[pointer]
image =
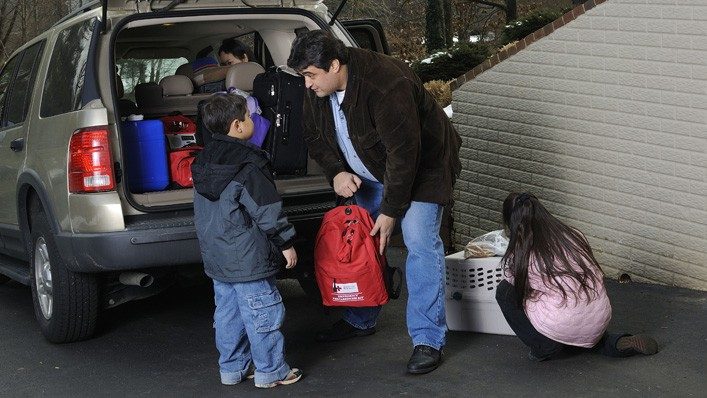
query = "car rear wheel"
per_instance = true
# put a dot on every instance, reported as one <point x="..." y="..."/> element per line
<point x="65" y="302"/>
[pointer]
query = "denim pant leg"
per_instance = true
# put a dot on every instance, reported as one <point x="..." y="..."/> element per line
<point x="231" y="339"/>
<point x="541" y="346"/>
<point x="261" y="306"/>
<point x="368" y="196"/>
<point x="424" y="270"/>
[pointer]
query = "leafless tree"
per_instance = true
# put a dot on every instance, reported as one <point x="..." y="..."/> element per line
<point x="21" y="20"/>
<point x="9" y="11"/>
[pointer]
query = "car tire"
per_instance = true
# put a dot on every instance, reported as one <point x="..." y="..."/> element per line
<point x="65" y="302"/>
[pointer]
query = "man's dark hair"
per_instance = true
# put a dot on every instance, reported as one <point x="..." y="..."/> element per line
<point x="221" y="110"/>
<point x="237" y="48"/>
<point x="318" y="48"/>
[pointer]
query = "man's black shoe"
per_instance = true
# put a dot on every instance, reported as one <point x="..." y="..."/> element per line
<point x="424" y="359"/>
<point x="342" y="330"/>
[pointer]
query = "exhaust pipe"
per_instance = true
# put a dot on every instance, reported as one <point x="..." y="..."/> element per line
<point x="136" y="279"/>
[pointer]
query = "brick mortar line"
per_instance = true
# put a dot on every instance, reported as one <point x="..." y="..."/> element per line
<point x="692" y="276"/>
<point x="564" y="80"/>
<point x="581" y="156"/>
<point x="580" y="107"/>
<point x="586" y="120"/>
<point x="606" y="228"/>
<point x="657" y="202"/>
<point x="670" y="270"/>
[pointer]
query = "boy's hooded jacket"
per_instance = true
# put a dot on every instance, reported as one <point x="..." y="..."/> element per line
<point x="238" y="213"/>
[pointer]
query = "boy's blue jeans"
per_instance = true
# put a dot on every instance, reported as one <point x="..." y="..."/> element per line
<point x="424" y="270"/>
<point x="247" y="320"/>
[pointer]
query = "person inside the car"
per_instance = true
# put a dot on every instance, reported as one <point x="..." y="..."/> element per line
<point x="233" y="51"/>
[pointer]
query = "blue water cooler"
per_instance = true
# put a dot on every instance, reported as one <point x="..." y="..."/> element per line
<point x="145" y="154"/>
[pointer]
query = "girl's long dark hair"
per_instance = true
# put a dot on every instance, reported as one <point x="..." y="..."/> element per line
<point x="557" y="250"/>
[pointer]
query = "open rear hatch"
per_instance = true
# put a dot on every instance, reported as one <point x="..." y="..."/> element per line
<point x="158" y="58"/>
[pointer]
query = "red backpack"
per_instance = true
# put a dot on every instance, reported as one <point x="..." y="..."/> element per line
<point x="180" y="161"/>
<point x="350" y="272"/>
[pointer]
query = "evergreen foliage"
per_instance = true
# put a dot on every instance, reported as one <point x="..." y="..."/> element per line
<point x="450" y="65"/>
<point x="518" y="29"/>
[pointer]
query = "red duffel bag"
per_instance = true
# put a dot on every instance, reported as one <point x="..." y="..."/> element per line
<point x="180" y="161"/>
<point x="347" y="265"/>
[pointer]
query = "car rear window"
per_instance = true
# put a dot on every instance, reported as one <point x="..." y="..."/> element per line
<point x="133" y="71"/>
<point x="67" y="69"/>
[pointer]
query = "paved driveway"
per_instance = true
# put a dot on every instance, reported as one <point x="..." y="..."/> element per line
<point x="163" y="346"/>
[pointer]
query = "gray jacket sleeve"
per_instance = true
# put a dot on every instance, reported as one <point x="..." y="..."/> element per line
<point x="264" y="205"/>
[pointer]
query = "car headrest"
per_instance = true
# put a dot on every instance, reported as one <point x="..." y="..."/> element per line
<point x="148" y="94"/>
<point x="185" y="70"/>
<point x="119" y="86"/>
<point x="176" y="85"/>
<point x="241" y="75"/>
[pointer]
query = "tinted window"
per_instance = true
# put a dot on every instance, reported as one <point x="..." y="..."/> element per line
<point x="20" y="93"/>
<point x="5" y="77"/>
<point x="135" y="71"/>
<point x="67" y="70"/>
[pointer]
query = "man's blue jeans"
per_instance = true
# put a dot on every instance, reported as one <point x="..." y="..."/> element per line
<point x="424" y="270"/>
<point x="247" y="320"/>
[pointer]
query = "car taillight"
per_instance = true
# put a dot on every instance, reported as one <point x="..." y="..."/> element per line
<point x="90" y="161"/>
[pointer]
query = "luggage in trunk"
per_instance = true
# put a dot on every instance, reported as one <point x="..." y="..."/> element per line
<point x="281" y="96"/>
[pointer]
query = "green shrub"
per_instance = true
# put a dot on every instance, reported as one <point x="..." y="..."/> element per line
<point x="521" y="27"/>
<point x="452" y="64"/>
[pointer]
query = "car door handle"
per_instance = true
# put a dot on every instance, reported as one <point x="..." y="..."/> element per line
<point x="17" y="144"/>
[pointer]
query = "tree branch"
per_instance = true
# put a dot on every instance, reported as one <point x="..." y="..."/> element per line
<point x="488" y="3"/>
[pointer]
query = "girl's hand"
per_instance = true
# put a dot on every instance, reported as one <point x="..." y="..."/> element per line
<point x="291" y="257"/>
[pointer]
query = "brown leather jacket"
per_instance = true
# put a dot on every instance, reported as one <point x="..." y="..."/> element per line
<point x="401" y="134"/>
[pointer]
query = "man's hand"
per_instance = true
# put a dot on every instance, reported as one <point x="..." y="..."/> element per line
<point x="384" y="225"/>
<point x="345" y="184"/>
<point x="291" y="257"/>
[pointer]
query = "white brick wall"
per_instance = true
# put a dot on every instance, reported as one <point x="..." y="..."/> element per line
<point x="605" y="119"/>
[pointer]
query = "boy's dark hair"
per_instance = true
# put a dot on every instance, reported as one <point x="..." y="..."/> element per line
<point x="556" y="249"/>
<point x="237" y="48"/>
<point x="318" y="48"/>
<point x="221" y="110"/>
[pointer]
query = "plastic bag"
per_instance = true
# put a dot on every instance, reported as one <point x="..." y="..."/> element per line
<point x="491" y="244"/>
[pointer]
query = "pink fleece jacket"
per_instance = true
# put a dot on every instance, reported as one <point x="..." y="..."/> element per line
<point x="573" y="322"/>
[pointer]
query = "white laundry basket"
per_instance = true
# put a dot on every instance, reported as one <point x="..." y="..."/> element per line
<point x="470" y="295"/>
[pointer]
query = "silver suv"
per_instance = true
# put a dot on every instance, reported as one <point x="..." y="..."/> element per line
<point x="70" y="225"/>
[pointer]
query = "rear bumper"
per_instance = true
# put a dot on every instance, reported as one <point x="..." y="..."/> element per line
<point x="150" y="248"/>
<point x="127" y="250"/>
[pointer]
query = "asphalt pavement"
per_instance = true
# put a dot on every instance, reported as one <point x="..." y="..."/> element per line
<point x="163" y="347"/>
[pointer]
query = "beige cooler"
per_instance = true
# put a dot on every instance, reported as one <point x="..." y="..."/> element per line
<point x="470" y="295"/>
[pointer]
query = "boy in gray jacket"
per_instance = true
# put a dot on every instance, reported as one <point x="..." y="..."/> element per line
<point x="242" y="229"/>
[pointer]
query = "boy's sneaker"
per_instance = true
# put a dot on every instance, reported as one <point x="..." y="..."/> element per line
<point x="291" y="378"/>
<point x="637" y="344"/>
<point x="250" y="374"/>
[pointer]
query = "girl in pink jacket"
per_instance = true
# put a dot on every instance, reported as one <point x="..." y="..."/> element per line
<point x="554" y="294"/>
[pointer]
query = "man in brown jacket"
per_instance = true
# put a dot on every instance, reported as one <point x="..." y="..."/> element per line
<point x="381" y="137"/>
